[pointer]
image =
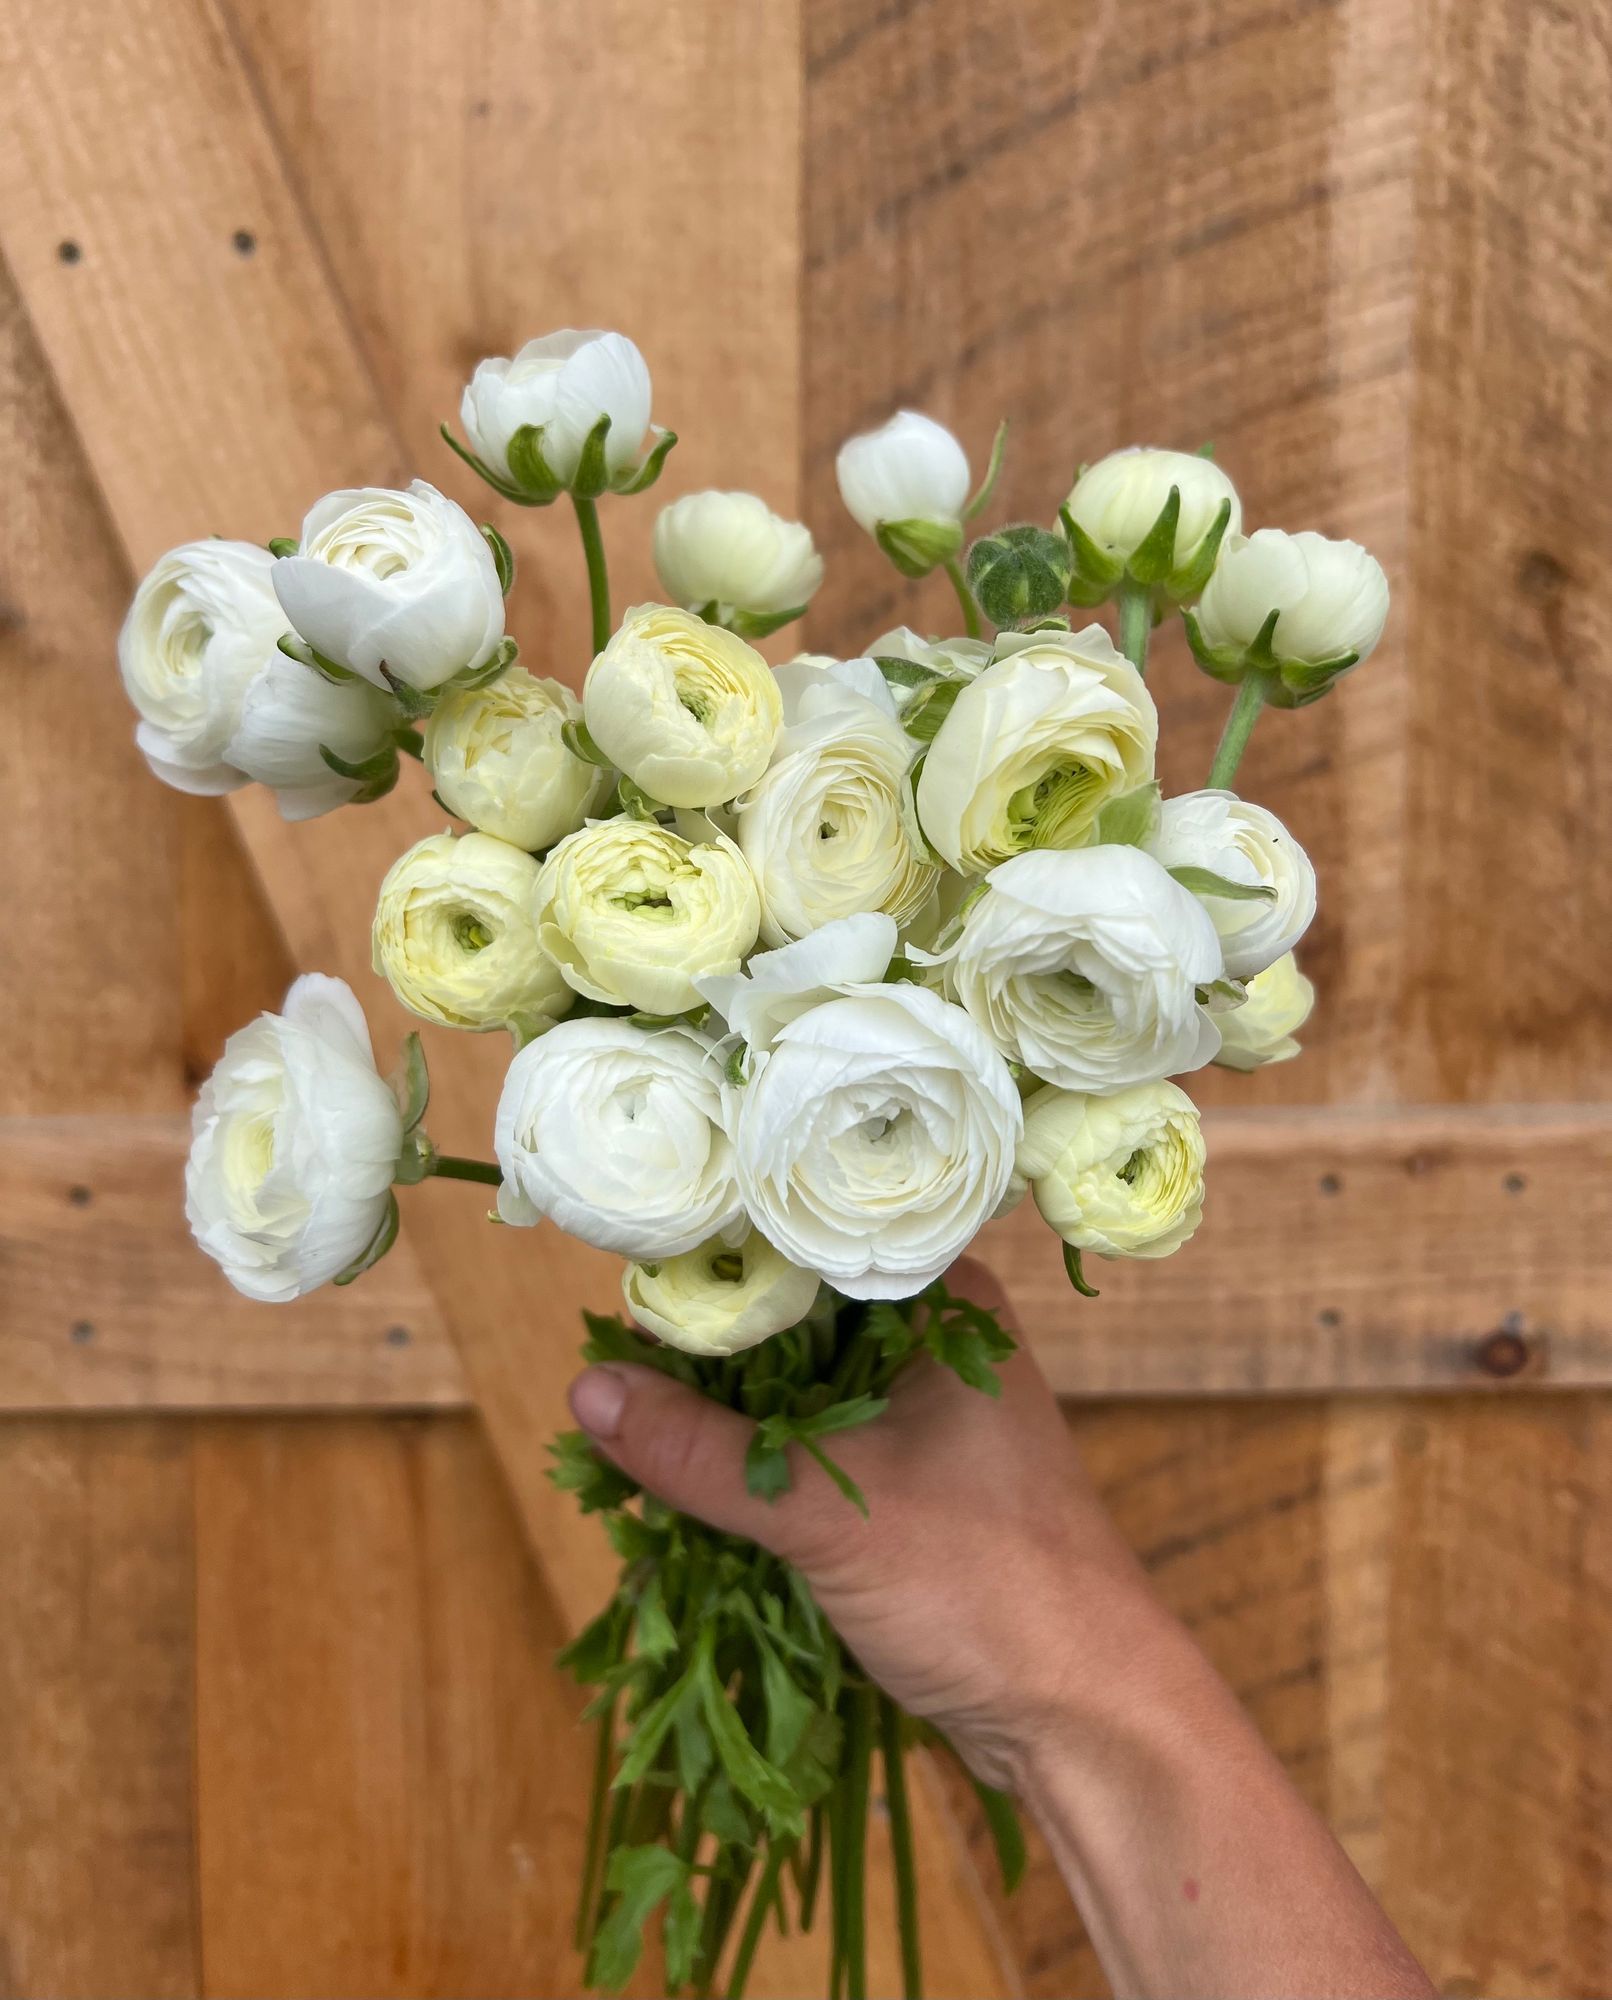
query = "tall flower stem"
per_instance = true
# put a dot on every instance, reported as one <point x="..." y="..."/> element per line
<point x="755" y="1922"/>
<point x="1134" y="605"/>
<point x="1245" y="712"/>
<point x="859" y="1757"/>
<point x="895" y="1791"/>
<point x="587" y="512"/>
<point x="593" y="1846"/>
<point x="450" y="1167"/>
<point x="965" y="597"/>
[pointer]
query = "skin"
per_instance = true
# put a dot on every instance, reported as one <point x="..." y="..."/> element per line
<point x="1197" y="1867"/>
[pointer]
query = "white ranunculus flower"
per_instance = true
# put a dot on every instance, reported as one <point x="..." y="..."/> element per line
<point x="498" y="758"/>
<point x="634" y="915"/>
<point x="620" y="1135"/>
<point x="687" y="710"/>
<point x="830" y="829"/>
<point x="562" y="383"/>
<point x="455" y="939"/>
<point x="1332" y="596"/>
<point x="403" y="582"/>
<point x="1084" y="967"/>
<point x="289" y="711"/>
<point x="294" y="1143"/>
<point x="203" y="623"/>
<point x="907" y="484"/>
<point x="1120" y="1175"/>
<point x="776" y="986"/>
<point x="731" y="551"/>
<point x="955" y="659"/>
<point x="1243" y="843"/>
<point x="1264" y="1029"/>
<point x="719" y="1298"/>
<point x="876" y="1138"/>
<point x="1118" y="499"/>
<point x="1034" y="748"/>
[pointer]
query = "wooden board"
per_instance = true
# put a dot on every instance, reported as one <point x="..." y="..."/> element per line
<point x="106" y="1303"/>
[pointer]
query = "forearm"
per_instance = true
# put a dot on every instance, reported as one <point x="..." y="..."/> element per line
<point x="1197" y="1867"/>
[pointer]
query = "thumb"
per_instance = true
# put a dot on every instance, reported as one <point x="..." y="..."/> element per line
<point x="689" y="1452"/>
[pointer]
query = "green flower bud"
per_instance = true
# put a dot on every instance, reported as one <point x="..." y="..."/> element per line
<point x="1019" y="574"/>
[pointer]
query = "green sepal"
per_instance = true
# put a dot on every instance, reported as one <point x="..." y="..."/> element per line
<point x="416" y="1162"/>
<point x="535" y="482"/>
<point x="305" y="656"/>
<point x="1132" y="819"/>
<point x="928" y="709"/>
<point x="1093" y="572"/>
<point x="760" y="624"/>
<point x="282" y="545"/>
<point x="1153" y="558"/>
<point x="1288" y="683"/>
<point x="592" y="476"/>
<point x="993" y="469"/>
<point x="503" y="556"/>
<point x="1195" y="572"/>
<point x="1077" y="1275"/>
<point x="635" y="801"/>
<point x="497" y="663"/>
<point x="737" y="1067"/>
<point x="650" y="469"/>
<point x="501" y="486"/>
<point x="577" y="739"/>
<point x="1205" y="882"/>
<point x="382" y="1241"/>
<point x="416" y="703"/>
<point x="916" y="547"/>
<point x="411" y="1081"/>
<point x="1221" y="995"/>
<point x="366" y="769"/>
<point x="906" y="673"/>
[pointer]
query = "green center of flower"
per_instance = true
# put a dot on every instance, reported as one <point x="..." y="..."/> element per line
<point x="1057" y="809"/>
<point x="470" y="933"/>
<point x="634" y="900"/>
<point x="728" y="1265"/>
<point x="1133" y="1166"/>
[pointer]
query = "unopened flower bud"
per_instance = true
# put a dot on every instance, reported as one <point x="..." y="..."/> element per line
<point x="907" y="484"/>
<point x="1019" y="574"/>
<point x="1148" y="517"/>
<point x="1300" y="608"/>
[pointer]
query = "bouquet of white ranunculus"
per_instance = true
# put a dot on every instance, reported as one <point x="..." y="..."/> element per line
<point x="810" y="971"/>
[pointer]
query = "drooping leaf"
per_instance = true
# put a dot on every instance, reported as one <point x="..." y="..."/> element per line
<point x="638" y="1879"/>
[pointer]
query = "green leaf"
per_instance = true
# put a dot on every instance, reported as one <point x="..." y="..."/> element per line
<point x="649" y="1732"/>
<point x="841" y="1478"/>
<point x="680" y="1933"/>
<point x="382" y="1241"/>
<point x="993" y="468"/>
<point x="929" y="708"/>
<point x="1076" y="1273"/>
<point x="692" y="1743"/>
<point x="1007" y="1835"/>
<point x="750" y="1774"/>
<point x="596" y="1648"/>
<point x="905" y="673"/>
<point x="650" y="470"/>
<point x="578" y="1468"/>
<point x="503" y="556"/>
<point x="1205" y="882"/>
<point x="722" y="1815"/>
<point x="789" y="1708"/>
<point x="654" y="1634"/>
<point x="766" y="1467"/>
<point x="843" y="1416"/>
<point x="638" y="1878"/>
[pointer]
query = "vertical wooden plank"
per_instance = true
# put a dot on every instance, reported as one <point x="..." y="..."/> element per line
<point x="96" y="1890"/>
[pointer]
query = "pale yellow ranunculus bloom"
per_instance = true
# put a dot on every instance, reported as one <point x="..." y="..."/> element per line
<point x="1264" y="1029"/>
<point x="498" y="759"/>
<point x="718" y="1299"/>
<point x="1122" y="1175"/>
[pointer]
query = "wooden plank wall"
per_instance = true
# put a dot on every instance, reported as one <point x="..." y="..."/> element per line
<point x="275" y="1708"/>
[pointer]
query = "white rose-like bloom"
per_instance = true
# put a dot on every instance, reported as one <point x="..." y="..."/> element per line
<point x="876" y="1138"/>
<point x="1332" y="596"/>
<point x="688" y="711"/>
<point x="203" y="623"/>
<point x="910" y="469"/>
<point x="1084" y="967"/>
<point x="403" y="581"/>
<point x="562" y="383"/>
<point x="831" y="829"/>
<point x="633" y="915"/>
<point x="294" y="1143"/>
<point x="1120" y="1175"/>
<point x="1241" y="843"/>
<point x="289" y="710"/>
<point x="1264" y="1029"/>
<point x="1118" y="499"/>
<point x="454" y="936"/>
<point x="1034" y="748"/>
<point x="620" y="1135"/>
<point x="719" y="1299"/>
<point x="498" y="758"/>
<point x="732" y="551"/>
<point x="777" y="986"/>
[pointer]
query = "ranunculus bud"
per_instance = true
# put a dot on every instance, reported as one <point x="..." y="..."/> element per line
<point x="1248" y="871"/>
<point x="1121" y="1175"/>
<point x="719" y="1298"/>
<point x="534" y="423"/>
<point x="634" y="915"/>
<point x="292" y="715"/>
<point x="498" y="758"/>
<point x="907" y="484"/>
<point x="454" y="937"/>
<point x="688" y="711"/>
<point x="1150" y="517"/>
<point x="729" y="557"/>
<point x="1019" y="573"/>
<point x="1300" y="609"/>
<point x="1265" y="1027"/>
<point x="398" y="587"/>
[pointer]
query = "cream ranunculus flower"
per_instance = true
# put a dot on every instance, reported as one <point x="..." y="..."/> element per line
<point x="289" y="712"/>
<point x="688" y="711"/>
<point x="454" y="936"/>
<point x="719" y="1299"/>
<point x="1120" y="1175"/>
<point x="1085" y="968"/>
<point x="619" y="1134"/>
<point x="634" y="915"/>
<point x="561" y="384"/>
<point x="1225" y="836"/>
<point x="1331" y="597"/>
<point x="777" y="986"/>
<point x="294" y="1143"/>
<point x="1265" y="1027"/>
<point x="498" y="758"/>
<point x="390" y="583"/>
<point x="1118" y="500"/>
<point x="731" y="553"/>
<point x="907" y="484"/>
<point x="203" y="624"/>
<point x="876" y="1138"/>
<point x="830" y="829"/>
<point x="1035" y="747"/>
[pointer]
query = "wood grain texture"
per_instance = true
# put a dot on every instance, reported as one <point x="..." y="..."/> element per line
<point x="106" y="1303"/>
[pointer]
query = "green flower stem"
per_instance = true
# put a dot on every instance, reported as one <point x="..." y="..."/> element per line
<point x="450" y="1167"/>
<point x="593" y="1846"/>
<point x="756" y="1920"/>
<point x="1134" y="604"/>
<point x="587" y="512"/>
<point x="1245" y="712"/>
<point x="965" y="597"/>
<point x="412" y="744"/>
<point x="722" y="1901"/>
<point x="859" y="1760"/>
<point x="895" y="1790"/>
